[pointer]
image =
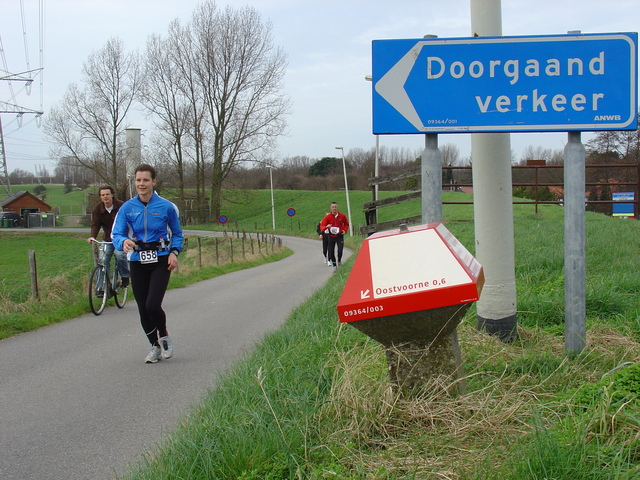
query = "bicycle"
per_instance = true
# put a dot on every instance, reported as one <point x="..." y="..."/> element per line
<point x="101" y="291"/>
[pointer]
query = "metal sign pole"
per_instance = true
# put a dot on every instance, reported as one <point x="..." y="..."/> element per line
<point x="574" y="244"/>
<point x="431" y="180"/>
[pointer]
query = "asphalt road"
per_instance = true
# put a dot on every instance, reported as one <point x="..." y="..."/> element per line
<point x="77" y="400"/>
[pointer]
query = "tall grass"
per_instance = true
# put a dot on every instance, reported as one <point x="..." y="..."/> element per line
<point x="313" y="401"/>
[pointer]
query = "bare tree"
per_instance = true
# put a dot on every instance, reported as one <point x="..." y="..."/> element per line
<point x="68" y="169"/>
<point x="292" y="172"/>
<point x="623" y="146"/>
<point x="89" y="122"/>
<point x="535" y="153"/>
<point x="550" y="156"/>
<point x="180" y="45"/>
<point x="630" y="146"/>
<point x="163" y="95"/>
<point x="613" y="147"/>
<point x="240" y="72"/>
<point x="450" y="158"/>
<point x="606" y="143"/>
<point x="450" y="154"/>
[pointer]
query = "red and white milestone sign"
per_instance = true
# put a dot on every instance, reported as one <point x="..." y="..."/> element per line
<point x="397" y="272"/>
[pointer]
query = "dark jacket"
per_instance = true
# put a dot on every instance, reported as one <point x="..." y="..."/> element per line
<point x="100" y="217"/>
<point x="320" y="232"/>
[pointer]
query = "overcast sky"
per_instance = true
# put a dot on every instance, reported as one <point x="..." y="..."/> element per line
<point x="328" y="45"/>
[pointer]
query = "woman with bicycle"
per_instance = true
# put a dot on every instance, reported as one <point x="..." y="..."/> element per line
<point x="102" y="217"/>
<point x="147" y="228"/>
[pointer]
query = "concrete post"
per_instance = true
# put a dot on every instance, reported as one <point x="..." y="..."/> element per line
<point x="574" y="244"/>
<point x="493" y="210"/>
<point x="133" y="156"/>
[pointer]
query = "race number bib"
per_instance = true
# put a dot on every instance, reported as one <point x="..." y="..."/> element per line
<point x="148" y="256"/>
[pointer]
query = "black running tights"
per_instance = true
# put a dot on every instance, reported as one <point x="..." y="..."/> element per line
<point x="333" y="242"/>
<point x="149" y="282"/>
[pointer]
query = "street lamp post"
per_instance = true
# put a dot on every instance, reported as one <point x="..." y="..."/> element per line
<point x="346" y="189"/>
<point x="273" y="211"/>
<point x="369" y="78"/>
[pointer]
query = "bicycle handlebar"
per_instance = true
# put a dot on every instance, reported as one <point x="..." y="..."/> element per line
<point x="100" y="243"/>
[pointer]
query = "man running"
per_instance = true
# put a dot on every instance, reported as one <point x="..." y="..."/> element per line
<point x="147" y="227"/>
<point x="338" y="224"/>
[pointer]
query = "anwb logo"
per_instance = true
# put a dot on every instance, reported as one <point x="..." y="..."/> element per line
<point x="607" y="117"/>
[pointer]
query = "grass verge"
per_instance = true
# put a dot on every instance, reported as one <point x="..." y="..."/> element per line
<point x="313" y="400"/>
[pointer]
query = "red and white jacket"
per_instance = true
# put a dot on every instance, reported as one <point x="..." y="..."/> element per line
<point x="338" y="220"/>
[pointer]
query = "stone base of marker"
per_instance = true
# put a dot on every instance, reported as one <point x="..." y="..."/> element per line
<point x="506" y="329"/>
<point x="412" y="365"/>
<point x="420" y="345"/>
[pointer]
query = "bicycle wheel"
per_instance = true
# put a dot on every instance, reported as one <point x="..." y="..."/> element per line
<point x="96" y="302"/>
<point x="119" y="293"/>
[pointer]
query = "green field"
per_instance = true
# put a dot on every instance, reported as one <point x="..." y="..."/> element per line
<point x="252" y="210"/>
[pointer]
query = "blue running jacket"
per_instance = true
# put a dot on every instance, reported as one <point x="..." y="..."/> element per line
<point x="157" y="221"/>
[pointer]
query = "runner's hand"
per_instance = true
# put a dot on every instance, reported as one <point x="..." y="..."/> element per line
<point x="173" y="262"/>
<point x="128" y="245"/>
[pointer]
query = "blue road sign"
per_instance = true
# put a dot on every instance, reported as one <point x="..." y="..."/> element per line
<point x="506" y="84"/>
<point x="623" y="209"/>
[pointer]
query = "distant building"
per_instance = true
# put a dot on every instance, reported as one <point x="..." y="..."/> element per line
<point x="24" y="203"/>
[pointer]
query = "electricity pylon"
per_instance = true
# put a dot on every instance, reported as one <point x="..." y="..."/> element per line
<point x="6" y="107"/>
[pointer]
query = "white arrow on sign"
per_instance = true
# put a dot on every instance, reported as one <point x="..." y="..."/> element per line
<point x="391" y="86"/>
<point x="364" y="294"/>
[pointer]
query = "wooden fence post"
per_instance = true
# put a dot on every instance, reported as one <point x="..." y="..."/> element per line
<point x="33" y="270"/>
<point x="199" y="252"/>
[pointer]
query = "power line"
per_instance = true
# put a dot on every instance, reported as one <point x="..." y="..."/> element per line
<point x="27" y="78"/>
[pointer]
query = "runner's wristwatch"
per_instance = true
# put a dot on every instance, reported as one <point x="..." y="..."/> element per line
<point x="175" y="251"/>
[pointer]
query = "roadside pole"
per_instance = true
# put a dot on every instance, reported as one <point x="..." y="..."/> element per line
<point x="133" y="157"/>
<point x="493" y="210"/>
<point x="431" y="180"/>
<point x="574" y="244"/>
<point x="432" y="212"/>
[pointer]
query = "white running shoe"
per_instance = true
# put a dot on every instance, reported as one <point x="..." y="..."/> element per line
<point x="166" y="347"/>
<point x="154" y="355"/>
<point x="329" y="264"/>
